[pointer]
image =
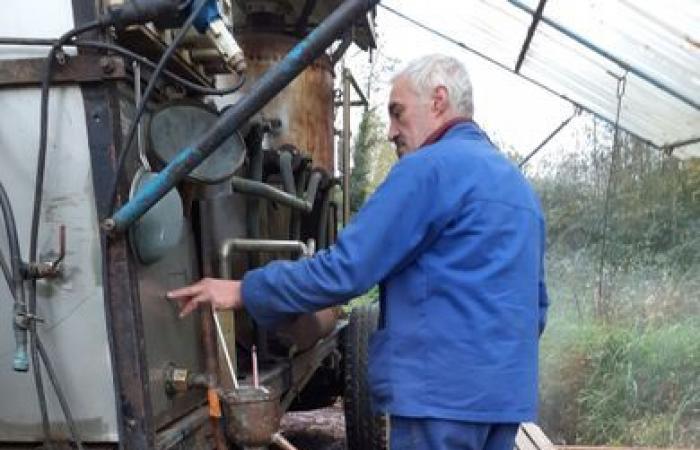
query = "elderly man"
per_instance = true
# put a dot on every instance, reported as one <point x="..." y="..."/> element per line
<point x="455" y="238"/>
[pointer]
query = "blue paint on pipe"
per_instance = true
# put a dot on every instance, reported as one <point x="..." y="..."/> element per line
<point x="183" y="163"/>
<point x="265" y="88"/>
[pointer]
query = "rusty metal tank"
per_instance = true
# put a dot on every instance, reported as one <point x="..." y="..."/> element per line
<point x="305" y="113"/>
<point x="305" y="107"/>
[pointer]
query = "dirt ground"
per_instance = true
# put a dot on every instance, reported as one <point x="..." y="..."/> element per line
<point x="320" y="429"/>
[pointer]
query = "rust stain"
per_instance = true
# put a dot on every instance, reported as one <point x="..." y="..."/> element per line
<point x="305" y="107"/>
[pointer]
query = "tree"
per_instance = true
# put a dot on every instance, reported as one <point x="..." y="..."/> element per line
<point x="370" y="137"/>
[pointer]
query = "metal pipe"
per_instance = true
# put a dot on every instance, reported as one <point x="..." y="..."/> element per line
<point x="269" y="85"/>
<point x="547" y="139"/>
<point x="255" y="173"/>
<point x="246" y="186"/>
<point x="312" y="188"/>
<point x="530" y="32"/>
<point x="281" y="442"/>
<point x="363" y="99"/>
<point x="20" y="361"/>
<point x="286" y="171"/>
<point x="683" y="143"/>
<point x="322" y="233"/>
<point x="609" y="56"/>
<point x="256" y="245"/>
<point x="346" y="146"/>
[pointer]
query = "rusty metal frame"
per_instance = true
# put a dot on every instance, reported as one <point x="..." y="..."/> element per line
<point x="122" y="308"/>
<point x="81" y="68"/>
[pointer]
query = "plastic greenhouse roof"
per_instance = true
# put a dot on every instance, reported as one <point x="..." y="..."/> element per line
<point x="588" y="51"/>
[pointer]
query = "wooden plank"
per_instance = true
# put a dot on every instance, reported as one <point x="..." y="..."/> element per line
<point x="522" y="440"/>
<point x="537" y="436"/>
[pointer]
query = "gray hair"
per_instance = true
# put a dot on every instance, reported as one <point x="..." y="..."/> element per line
<point x="430" y="71"/>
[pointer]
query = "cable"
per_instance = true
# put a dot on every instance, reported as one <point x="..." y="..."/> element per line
<point x="6" y="272"/>
<point x="194" y="87"/>
<point x="621" y="83"/>
<point x="36" y="213"/>
<point x="59" y="393"/>
<point x="142" y="106"/>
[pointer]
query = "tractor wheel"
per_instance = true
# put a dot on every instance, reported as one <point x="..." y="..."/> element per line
<point x="364" y="431"/>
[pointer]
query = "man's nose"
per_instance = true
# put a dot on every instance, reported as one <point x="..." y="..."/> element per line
<point x="393" y="133"/>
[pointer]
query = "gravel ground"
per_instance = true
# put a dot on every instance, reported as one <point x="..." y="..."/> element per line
<point x="320" y="429"/>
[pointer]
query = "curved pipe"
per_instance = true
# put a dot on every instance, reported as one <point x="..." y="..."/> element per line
<point x="256" y="245"/>
<point x="258" y="189"/>
<point x="287" y="172"/>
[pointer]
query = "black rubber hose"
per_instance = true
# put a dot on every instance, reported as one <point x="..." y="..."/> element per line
<point x="194" y="87"/>
<point x="15" y="262"/>
<point x="15" y="283"/>
<point x="144" y="100"/>
<point x="6" y="273"/>
<point x="36" y="213"/>
<point x="59" y="393"/>
<point x="285" y="162"/>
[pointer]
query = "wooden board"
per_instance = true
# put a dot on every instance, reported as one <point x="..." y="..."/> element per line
<point x="531" y="437"/>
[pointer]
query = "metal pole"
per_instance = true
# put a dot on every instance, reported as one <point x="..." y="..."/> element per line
<point x="547" y="139"/>
<point x="269" y="85"/>
<point x="609" y="56"/>
<point x="346" y="145"/>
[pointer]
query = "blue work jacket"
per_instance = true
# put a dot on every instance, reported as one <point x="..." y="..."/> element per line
<point x="455" y="238"/>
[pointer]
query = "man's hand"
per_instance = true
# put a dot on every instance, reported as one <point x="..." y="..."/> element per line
<point x="222" y="294"/>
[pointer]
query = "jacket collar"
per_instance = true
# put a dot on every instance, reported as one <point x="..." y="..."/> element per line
<point x="442" y="131"/>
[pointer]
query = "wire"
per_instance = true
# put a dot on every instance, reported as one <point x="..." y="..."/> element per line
<point x="142" y="106"/>
<point x="194" y="87"/>
<point x="36" y="213"/>
<point x="59" y="393"/>
<point x="621" y="82"/>
<point x="6" y="272"/>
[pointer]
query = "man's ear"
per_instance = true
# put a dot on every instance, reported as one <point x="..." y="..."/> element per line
<point x="441" y="101"/>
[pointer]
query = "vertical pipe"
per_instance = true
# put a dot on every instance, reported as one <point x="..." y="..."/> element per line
<point x="346" y="146"/>
<point x="269" y="85"/>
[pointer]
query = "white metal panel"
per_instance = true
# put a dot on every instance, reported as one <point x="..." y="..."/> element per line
<point x="74" y="331"/>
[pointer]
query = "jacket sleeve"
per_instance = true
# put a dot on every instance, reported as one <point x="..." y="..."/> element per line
<point x="400" y="218"/>
<point x="543" y="296"/>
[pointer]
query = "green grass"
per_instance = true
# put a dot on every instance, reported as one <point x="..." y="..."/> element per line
<point x="633" y="379"/>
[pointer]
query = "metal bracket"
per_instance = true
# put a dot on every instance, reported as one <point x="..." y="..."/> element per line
<point x="83" y="68"/>
<point x="48" y="269"/>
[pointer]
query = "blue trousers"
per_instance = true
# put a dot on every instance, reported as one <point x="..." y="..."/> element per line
<point x="408" y="433"/>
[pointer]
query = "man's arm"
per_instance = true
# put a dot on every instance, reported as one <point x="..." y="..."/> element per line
<point x="403" y="215"/>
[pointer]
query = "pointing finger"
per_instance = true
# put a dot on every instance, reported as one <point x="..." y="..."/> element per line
<point x="193" y="304"/>
<point x="185" y="292"/>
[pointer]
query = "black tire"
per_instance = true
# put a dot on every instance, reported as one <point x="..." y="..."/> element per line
<point x="364" y="431"/>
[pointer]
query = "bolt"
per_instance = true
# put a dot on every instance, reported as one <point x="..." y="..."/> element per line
<point x="60" y="57"/>
<point x="106" y="64"/>
<point x="109" y="225"/>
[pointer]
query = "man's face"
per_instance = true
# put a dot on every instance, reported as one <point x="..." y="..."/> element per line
<point x="411" y="117"/>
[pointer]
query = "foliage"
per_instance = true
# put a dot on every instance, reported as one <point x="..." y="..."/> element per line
<point x="373" y="158"/>
<point x="620" y="358"/>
